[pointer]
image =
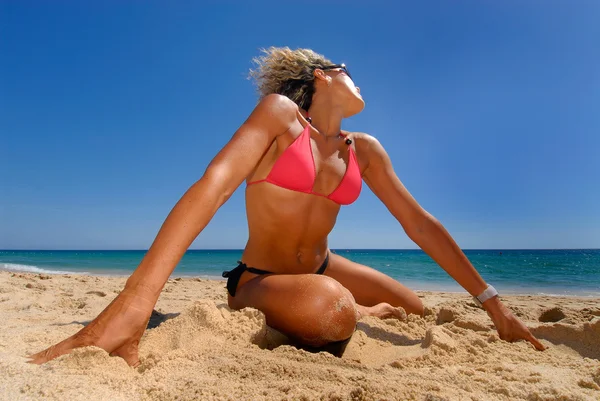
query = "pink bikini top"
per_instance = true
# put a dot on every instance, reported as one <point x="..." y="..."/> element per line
<point x="295" y="170"/>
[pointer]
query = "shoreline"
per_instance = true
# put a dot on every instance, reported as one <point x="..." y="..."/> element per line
<point x="197" y="344"/>
<point x="451" y="287"/>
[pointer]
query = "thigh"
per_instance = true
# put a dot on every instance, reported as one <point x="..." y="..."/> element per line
<point x="310" y="308"/>
<point x="370" y="287"/>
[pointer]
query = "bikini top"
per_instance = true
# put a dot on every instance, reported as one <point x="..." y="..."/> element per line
<point x="295" y="170"/>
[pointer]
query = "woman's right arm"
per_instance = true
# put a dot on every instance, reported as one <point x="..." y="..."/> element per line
<point x="271" y="118"/>
<point x="120" y="326"/>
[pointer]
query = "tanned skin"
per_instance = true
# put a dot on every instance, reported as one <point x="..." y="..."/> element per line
<point x="288" y="233"/>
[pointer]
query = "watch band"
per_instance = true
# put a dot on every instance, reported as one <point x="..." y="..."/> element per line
<point x="489" y="292"/>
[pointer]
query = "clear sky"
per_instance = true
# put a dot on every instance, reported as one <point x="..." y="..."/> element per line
<point x="490" y="112"/>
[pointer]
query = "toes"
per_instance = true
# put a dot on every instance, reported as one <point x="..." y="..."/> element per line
<point x="383" y="311"/>
<point x="400" y="313"/>
<point x="391" y="312"/>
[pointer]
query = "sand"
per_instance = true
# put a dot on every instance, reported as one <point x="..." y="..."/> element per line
<point x="198" y="348"/>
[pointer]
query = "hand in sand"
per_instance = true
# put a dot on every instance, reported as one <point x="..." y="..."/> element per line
<point x="509" y="327"/>
<point x="117" y="330"/>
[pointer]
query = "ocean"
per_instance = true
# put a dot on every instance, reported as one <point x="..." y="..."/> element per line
<point x="551" y="272"/>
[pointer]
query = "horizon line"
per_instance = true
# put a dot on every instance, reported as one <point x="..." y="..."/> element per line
<point x="343" y="249"/>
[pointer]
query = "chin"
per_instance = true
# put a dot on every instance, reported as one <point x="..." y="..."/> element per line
<point x="355" y="107"/>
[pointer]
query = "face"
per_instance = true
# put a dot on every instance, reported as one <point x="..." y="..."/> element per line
<point x="343" y="86"/>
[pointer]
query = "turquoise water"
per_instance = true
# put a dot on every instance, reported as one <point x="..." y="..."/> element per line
<point x="557" y="272"/>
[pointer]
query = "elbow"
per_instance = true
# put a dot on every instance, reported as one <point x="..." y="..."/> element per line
<point x="220" y="191"/>
<point x="421" y="227"/>
<point x="224" y="195"/>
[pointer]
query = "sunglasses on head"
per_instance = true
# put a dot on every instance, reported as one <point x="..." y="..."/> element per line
<point x="340" y="66"/>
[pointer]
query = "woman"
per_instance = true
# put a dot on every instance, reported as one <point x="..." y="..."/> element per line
<point x="299" y="168"/>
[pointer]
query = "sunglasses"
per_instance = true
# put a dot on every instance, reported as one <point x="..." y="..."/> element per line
<point x="340" y="66"/>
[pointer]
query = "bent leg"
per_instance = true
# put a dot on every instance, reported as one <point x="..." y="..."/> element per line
<point x="371" y="287"/>
<point x="312" y="309"/>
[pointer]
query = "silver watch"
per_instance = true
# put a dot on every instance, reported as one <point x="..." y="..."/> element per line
<point x="489" y="292"/>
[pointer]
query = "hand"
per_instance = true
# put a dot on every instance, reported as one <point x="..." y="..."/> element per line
<point x="117" y="329"/>
<point x="509" y="327"/>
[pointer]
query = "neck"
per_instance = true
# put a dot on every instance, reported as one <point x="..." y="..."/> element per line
<point x="328" y="121"/>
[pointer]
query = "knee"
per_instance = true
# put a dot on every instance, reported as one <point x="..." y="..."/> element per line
<point x="333" y="311"/>
<point x="415" y="306"/>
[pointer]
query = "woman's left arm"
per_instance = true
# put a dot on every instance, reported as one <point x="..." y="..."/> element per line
<point x="429" y="234"/>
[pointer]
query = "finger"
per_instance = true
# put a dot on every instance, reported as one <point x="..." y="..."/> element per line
<point x="130" y="352"/>
<point x="536" y="343"/>
<point x="54" y="351"/>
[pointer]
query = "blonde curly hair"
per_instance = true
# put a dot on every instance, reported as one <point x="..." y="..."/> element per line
<point x="288" y="72"/>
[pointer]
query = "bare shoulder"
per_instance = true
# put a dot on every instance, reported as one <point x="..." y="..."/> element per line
<point x="274" y="110"/>
<point x="362" y="140"/>
<point x="278" y="102"/>
<point x="367" y="146"/>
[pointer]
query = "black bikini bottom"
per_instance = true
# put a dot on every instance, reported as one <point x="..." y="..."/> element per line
<point x="233" y="276"/>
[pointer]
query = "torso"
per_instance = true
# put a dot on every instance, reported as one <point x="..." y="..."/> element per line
<point x="288" y="229"/>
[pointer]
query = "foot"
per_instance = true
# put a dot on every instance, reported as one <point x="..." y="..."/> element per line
<point x="382" y="311"/>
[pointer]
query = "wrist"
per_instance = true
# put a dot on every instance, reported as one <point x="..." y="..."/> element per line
<point x="142" y="290"/>
<point x="488" y="293"/>
<point x="492" y="304"/>
<point x="496" y="310"/>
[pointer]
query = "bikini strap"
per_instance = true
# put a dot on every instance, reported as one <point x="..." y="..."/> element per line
<point x="258" y="271"/>
<point x="233" y="276"/>
<point x="243" y="267"/>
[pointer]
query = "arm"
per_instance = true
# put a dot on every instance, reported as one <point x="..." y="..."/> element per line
<point x="427" y="232"/>
<point x="271" y="118"/>
<point x="121" y="324"/>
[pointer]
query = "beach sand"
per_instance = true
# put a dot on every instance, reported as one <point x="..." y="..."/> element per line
<point x="200" y="349"/>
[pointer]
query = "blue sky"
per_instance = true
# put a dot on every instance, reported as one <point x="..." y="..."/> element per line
<point x="490" y="112"/>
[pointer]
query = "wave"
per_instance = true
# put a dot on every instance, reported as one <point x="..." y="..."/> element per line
<point x="15" y="267"/>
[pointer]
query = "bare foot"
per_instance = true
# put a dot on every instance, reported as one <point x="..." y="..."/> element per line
<point x="382" y="311"/>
